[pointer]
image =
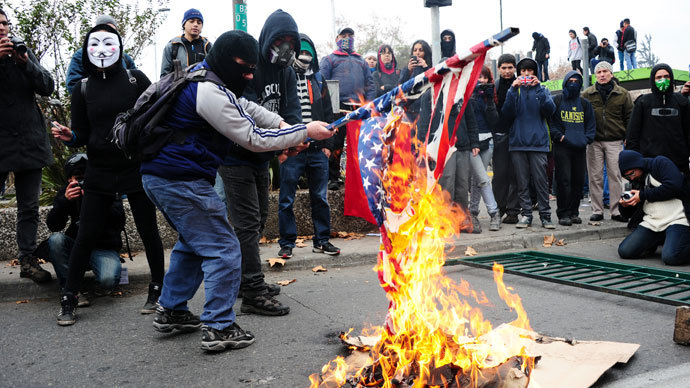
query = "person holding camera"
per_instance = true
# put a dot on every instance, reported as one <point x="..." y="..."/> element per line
<point x="24" y="145"/>
<point x="104" y="259"/>
<point x="109" y="90"/>
<point x="602" y="53"/>
<point x="662" y="199"/>
<point x="660" y="121"/>
<point x="529" y="105"/>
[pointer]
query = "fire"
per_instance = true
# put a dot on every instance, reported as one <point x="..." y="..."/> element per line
<point x="434" y="324"/>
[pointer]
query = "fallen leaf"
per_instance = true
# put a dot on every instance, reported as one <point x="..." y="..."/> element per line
<point x="274" y="260"/>
<point x="41" y="261"/>
<point x="349" y="235"/>
<point x="22" y="301"/>
<point x="116" y="293"/>
<point x="319" y="268"/>
<point x="560" y="243"/>
<point x="594" y="223"/>
<point x="549" y="241"/>
<point x="13" y="263"/>
<point x="299" y="244"/>
<point x="285" y="282"/>
<point x="470" y="251"/>
<point x="264" y="240"/>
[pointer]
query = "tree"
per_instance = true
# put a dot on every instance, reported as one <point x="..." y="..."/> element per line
<point x="54" y="30"/>
<point x="646" y="58"/>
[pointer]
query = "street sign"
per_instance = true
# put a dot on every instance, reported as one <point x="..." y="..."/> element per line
<point x="437" y="3"/>
<point x="240" y="14"/>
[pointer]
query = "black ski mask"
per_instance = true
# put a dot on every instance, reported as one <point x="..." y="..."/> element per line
<point x="447" y="48"/>
<point x="221" y="59"/>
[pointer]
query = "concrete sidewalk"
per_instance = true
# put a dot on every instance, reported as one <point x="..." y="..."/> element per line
<point x="353" y="252"/>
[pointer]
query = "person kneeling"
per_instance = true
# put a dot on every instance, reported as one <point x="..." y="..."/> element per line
<point x="104" y="260"/>
<point x="664" y="206"/>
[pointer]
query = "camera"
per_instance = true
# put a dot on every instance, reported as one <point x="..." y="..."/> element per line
<point x="19" y="47"/>
<point x="627" y="195"/>
<point x="525" y="80"/>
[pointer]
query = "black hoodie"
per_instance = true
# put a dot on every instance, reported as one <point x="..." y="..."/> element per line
<point x="541" y="47"/>
<point x="108" y="92"/>
<point x="660" y="124"/>
<point x="274" y="87"/>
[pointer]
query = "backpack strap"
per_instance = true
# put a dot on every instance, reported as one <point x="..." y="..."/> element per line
<point x="132" y="78"/>
<point x="82" y="86"/>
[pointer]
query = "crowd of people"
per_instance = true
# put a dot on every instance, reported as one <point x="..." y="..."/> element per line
<point x="262" y="100"/>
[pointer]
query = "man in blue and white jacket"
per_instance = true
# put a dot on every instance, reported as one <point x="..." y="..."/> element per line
<point x="179" y="180"/>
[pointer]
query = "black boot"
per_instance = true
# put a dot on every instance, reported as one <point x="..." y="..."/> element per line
<point x="32" y="270"/>
<point x="68" y="308"/>
<point x="154" y="294"/>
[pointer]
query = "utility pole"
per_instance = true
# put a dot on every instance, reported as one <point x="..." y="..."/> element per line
<point x="500" y="15"/>
<point x="435" y="36"/>
<point x="239" y="13"/>
<point x="335" y="28"/>
<point x="585" y="63"/>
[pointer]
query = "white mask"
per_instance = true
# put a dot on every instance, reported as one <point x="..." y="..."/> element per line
<point x="103" y="49"/>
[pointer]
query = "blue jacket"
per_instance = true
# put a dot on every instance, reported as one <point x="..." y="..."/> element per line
<point x="573" y="118"/>
<point x="529" y="107"/>
<point x="353" y="75"/>
<point x="213" y="118"/>
<point x="75" y="71"/>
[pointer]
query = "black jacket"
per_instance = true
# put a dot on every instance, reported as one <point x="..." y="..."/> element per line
<point x="592" y="44"/>
<point x="64" y="210"/>
<point x="467" y="133"/>
<point x="660" y="124"/>
<point x="605" y="54"/>
<point x="541" y="47"/>
<point x="385" y="80"/>
<point x="502" y="87"/>
<point x="24" y="141"/>
<point x="273" y="87"/>
<point x="485" y="113"/>
<point x="108" y="93"/>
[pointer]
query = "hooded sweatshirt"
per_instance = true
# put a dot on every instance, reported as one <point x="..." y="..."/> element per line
<point x="108" y="92"/>
<point x="575" y="49"/>
<point x="383" y="77"/>
<point x="274" y="87"/>
<point x="529" y="107"/>
<point x="573" y="118"/>
<point x="660" y="123"/>
<point x="540" y="46"/>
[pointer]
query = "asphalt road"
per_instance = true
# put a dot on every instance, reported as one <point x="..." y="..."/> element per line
<point x="113" y="345"/>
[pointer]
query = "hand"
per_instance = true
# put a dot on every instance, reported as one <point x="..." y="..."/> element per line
<point x="686" y="89"/>
<point x="475" y="151"/>
<point x="534" y="81"/>
<point x="516" y="83"/>
<point x="61" y="132"/>
<point x="411" y="64"/>
<point x="292" y="151"/>
<point x="326" y="152"/>
<point x="421" y="62"/>
<point x="21" y="60"/>
<point x="632" y="201"/>
<point x="73" y="190"/>
<point x="546" y="56"/>
<point x="562" y="138"/>
<point x="317" y="130"/>
<point x="282" y="157"/>
<point x="6" y="47"/>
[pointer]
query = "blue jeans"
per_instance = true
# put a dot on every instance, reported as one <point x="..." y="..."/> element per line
<point x="315" y="162"/>
<point x="621" y="59"/>
<point x="207" y="248"/>
<point x="480" y="185"/>
<point x="219" y="188"/>
<point x="105" y="263"/>
<point x="543" y="66"/>
<point x="630" y="60"/>
<point x="676" y="241"/>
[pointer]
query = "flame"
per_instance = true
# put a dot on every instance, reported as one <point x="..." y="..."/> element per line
<point x="433" y="321"/>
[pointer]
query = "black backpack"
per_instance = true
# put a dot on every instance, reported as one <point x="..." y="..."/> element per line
<point x="137" y="131"/>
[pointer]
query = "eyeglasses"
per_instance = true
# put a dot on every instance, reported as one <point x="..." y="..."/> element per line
<point x="5" y="23"/>
<point x="629" y="175"/>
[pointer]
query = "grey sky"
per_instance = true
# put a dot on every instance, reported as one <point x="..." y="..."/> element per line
<point x="472" y="21"/>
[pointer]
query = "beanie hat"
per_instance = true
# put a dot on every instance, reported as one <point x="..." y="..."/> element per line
<point x="603" y="65"/>
<point x="105" y="19"/>
<point x="507" y="58"/>
<point x="527" y="63"/>
<point x="76" y="165"/>
<point x="306" y="46"/>
<point x="191" y="14"/>
<point x="629" y="159"/>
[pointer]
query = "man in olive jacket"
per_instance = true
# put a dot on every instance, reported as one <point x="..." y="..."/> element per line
<point x="612" y="109"/>
<point x="24" y="146"/>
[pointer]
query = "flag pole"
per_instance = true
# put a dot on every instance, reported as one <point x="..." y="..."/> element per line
<point x="413" y="88"/>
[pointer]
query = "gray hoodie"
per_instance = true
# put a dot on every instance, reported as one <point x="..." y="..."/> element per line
<point x="574" y="50"/>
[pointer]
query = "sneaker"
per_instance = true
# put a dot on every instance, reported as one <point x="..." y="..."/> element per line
<point x="285" y="252"/>
<point x="495" y="223"/>
<point x="326" y="248"/>
<point x="232" y="337"/>
<point x="263" y="305"/>
<point x="476" y="226"/>
<point x="596" y="217"/>
<point x="68" y="308"/>
<point x="619" y="218"/>
<point x="511" y="219"/>
<point x="565" y="221"/>
<point x="576" y="220"/>
<point x="547" y="224"/>
<point x="84" y="299"/>
<point x="154" y="294"/>
<point x="32" y="270"/>
<point x="524" y="222"/>
<point x="166" y="320"/>
<point x="333" y="186"/>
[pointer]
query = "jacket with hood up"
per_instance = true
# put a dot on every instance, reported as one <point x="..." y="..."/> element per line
<point x="573" y="118"/>
<point x="540" y="47"/>
<point x="274" y="87"/>
<point x="108" y="92"/>
<point x="660" y="124"/>
<point x="385" y="79"/>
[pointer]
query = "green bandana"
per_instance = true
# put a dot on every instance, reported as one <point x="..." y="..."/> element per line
<point x="663" y="84"/>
